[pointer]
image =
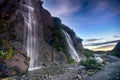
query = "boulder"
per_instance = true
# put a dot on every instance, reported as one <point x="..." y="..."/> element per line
<point x="17" y="65"/>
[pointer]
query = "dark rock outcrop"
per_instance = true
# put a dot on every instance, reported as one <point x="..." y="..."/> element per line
<point x="116" y="50"/>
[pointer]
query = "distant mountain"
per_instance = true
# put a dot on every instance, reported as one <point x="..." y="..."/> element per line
<point x="116" y="50"/>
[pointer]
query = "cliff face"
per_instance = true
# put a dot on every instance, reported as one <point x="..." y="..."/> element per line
<point x="52" y="44"/>
<point x="116" y="50"/>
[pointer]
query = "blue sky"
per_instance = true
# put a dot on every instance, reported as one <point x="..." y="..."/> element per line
<point x="97" y="20"/>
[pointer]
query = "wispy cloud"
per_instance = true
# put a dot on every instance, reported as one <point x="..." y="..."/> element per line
<point x="92" y="40"/>
<point x="65" y="7"/>
<point x="101" y="6"/>
<point x="116" y="36"/>
<point x="102" y="43"/>
<point x="106" y="46"/>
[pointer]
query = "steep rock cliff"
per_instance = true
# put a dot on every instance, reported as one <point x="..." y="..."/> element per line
<point x="51" y="40"/>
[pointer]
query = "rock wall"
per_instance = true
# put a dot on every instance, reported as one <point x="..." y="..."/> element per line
<point x="12" y="32"/>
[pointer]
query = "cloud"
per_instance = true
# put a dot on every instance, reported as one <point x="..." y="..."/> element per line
<point x="102" y="43"/>
<point x="92" y="40"/>
<point x="104" y="47"/>
<point x="116" y="36"/>
<point x="101" y="6"/>
<point x="65" y="7"/>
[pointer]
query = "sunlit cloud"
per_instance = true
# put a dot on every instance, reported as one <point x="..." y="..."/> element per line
<point x="105" y="47"/>
<point x="101" y="46"/>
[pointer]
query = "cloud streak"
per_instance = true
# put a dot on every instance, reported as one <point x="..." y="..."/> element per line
<point x="104" y="47"/>
<point x="92" y="40"/>
<point x="102" y="43"/>
<point x="116" y="36"/>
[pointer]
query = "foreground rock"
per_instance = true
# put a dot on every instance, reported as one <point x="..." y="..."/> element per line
<point x="17" y="65"/>
<point x="64" y="71"/>
<point x="55" y="72"/>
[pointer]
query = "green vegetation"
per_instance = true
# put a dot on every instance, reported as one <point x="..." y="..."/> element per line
<point x="3" y="22"/>
<point x="5" y="44"/>
<point x="10" y="53"/>
<point x="70" y="61"/>
<point x="58" y="42"/>
<point x="57" y="21"/>
<point x="7" y="51"/>
<point x="89" y="53"/>
<point x="90" y="72"/>
<point x="7" y="54"/>
<point x="116" y="54"/>
<point x="91" y="64"/>
<point x="2" y="54"/>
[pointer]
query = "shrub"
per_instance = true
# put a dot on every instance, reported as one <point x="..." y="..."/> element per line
<point x="91" y="64"/>
<point x="58" y="42"/>
<point x="10" y="53"/>
<point x="117" y="54"/>
<point x="7" y="54"/>
<point x="89" y="54"/>
<point x="2" y="54"/>
<point x="71" y="61"/>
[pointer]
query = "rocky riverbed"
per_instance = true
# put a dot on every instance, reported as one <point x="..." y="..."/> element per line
<point x="111" y="71"/>
<point x="64" y="71"/>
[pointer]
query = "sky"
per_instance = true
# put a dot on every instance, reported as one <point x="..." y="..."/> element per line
<point x="97" y="22"/>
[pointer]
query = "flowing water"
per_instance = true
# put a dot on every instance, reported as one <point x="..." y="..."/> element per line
<point x="31" y="34"/>
<point x="71" y="47"/>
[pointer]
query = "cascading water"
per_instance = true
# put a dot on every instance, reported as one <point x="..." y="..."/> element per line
<point x="31" y="34"/>
<point x="71" y="47"/>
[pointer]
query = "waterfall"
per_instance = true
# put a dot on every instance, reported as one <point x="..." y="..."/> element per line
<point x="71" y="47"/>
<point x="30" y="33"/>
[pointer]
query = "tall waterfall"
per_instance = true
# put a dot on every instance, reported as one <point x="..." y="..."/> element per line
<point x="30" y="33"/>
<point x="71" y="47"/>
